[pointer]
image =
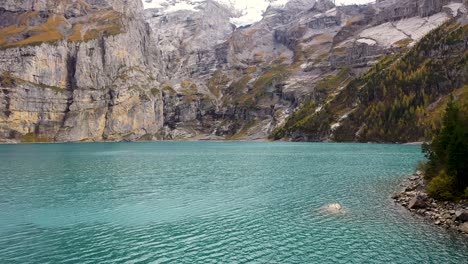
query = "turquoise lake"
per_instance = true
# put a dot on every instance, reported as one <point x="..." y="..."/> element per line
<point x="213" y="202"/>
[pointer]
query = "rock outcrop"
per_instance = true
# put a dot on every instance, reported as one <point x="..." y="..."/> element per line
<point x="96" y="70"/>
<point x="366" y="107"/>
<point x="391" y="10"/>
<point x="77" y="71"/>
<point x="227" y="83"/>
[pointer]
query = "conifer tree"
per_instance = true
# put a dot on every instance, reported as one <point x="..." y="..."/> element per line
<point x="448" y="154"/>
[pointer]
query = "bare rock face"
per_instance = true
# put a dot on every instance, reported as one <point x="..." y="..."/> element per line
<point x="85" y="77"/>
<point x="72" y="7"/>
<point x="391" y="10"/>
<point x="188" y="41"/>
<point x="229" y="81"/>
<point x="191" y="48"/>
<point x="243" y="82"/>
<point x="108" y="70"/>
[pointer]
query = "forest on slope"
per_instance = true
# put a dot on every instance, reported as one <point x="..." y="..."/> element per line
<point x="401" y="99"/>
<point x="447" y="154"/>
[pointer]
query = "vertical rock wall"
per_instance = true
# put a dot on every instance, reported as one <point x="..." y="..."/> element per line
<point x="99" y="89"/>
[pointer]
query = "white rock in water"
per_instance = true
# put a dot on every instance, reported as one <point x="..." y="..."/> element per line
<point x="333" y="208"/>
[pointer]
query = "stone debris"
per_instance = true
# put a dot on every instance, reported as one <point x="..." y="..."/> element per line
<point x="413" y="197"/>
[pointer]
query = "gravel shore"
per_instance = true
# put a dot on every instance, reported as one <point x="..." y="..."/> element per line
<point x="447" y="214"/>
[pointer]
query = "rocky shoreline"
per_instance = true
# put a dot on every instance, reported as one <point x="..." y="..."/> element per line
<point x="413" y="197"/>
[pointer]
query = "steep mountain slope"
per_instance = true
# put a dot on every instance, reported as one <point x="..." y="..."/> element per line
<point x="76" y="71"/>
<point x="399" y="100"/>
<point x="88" y="70"/>
<point x="247" y="85"/>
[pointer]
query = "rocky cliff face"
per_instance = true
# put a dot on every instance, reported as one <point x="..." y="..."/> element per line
<point x="391" y="10"/>
<point x="244" y="82"/>
<point x="72" y="7"/>
<point x="401" y="99"/>
<point x="77" y="71"/>
<point x="95" y="70"/>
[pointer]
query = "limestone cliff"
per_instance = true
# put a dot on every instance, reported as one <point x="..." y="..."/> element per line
<point x="91" y="70"/>
<point x="76" y="71"/>
<point x="243" y="83"/>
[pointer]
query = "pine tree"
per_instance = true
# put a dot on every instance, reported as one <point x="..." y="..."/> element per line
<point x="448" y="155"/>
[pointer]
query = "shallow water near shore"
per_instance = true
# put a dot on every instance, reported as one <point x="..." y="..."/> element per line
<point x="213" y="202"/>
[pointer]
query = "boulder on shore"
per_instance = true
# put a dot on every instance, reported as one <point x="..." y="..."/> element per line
<point x="463" y="228"/>
<point x="461" y="215"/>
<point x="417" y="202"/>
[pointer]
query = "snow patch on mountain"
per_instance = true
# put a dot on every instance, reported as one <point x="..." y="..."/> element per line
<point x="182" y="6"/>
<point x="252" y="10"/>
<point x="249" y="11"/>
<point x="170" y="6"/>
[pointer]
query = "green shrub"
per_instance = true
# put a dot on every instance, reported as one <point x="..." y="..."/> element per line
<point x="34" y="138"/>
<point x="442" y="187"/>
<point x="278" y="133"/>
<point x="465" y="195"/>
<point x="7" y="80"/>
<point x="422" y="167"/>
<point x="154" y="91"/>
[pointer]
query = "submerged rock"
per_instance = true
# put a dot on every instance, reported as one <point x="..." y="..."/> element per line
<point x="334" y="208"/>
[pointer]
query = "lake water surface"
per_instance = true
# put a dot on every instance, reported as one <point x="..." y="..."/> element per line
<point x="212" y="202"/>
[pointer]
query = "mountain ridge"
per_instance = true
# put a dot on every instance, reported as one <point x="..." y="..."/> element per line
<point x="186" y="74"/>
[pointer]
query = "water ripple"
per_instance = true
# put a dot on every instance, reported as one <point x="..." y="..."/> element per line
<point x="208" y="202"/>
